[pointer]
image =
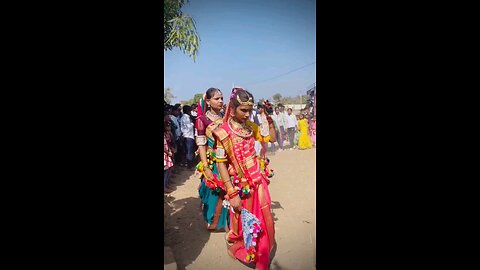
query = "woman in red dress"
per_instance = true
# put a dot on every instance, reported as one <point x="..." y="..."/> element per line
<point x="246" y="183"/>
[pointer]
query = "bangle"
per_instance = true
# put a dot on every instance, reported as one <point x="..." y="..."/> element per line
<point x="225" y="184"/>
<point x="233" y="194"/>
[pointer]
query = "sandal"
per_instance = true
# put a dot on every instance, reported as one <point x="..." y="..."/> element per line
<point x="227" y="241"/>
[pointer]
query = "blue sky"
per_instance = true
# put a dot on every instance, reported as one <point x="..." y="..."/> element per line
<point x="245" y="42"/>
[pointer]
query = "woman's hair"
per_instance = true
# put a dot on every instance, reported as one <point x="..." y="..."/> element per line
<point x="211" y="92"/>
<point x="243" y="95"/>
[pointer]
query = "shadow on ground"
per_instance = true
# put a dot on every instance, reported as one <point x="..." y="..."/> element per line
<point x="180" y="176"/>
<point x="181" y="225"/>
<point x="275" y="205"/>
<point x="182" y="231"/>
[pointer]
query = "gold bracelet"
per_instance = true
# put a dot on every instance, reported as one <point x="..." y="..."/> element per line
<point x="225" y="183"/>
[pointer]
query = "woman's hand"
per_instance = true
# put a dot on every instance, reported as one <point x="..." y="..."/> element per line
<point x="208" y="173"/>
<point x="236" y="203"/>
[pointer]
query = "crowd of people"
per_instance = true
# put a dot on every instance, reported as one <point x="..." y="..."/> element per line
<point x="291" y="132"/>
<point x="226" y="146"/>
<point x="294" y="131"/>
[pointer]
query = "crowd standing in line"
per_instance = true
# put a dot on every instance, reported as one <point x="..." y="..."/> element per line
<point x="181" y="133"/>
<point x="227" y="146"/>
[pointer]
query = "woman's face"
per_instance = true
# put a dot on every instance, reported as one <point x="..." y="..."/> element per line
<point x="216" y="102"/>
<point x="242" y="113"/>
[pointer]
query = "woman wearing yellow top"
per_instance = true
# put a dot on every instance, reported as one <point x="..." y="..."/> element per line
<point x="304" y="141"/>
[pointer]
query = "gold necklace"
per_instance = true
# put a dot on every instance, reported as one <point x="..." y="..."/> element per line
<point x="212" y="116"/>
<point x="240" y="130"/>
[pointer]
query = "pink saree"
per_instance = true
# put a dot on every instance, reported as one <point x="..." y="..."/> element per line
<point x="313" y="131"/>
<point x="245" y="165"/>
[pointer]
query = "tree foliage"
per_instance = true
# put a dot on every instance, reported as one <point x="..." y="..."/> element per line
<point x="197" y="97"/>
<point x="179" y="29"/>
<point x="193" y="100"/>
<point x="168" y="95"/>
<point x="291" y="100"/>
<point x="277" y="98"/>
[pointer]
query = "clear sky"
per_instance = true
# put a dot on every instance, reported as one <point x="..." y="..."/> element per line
<point x="246" y="43"/>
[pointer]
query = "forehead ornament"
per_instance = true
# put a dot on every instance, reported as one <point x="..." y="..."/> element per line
<point x="249" y="102"/>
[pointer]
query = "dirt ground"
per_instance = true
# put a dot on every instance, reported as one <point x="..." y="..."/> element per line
<point x="293" y="204"/>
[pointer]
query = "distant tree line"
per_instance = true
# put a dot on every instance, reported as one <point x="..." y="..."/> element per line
<point x="276" y="98"/>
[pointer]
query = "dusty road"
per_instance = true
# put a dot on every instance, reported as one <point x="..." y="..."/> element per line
<point x="293" y="203"/>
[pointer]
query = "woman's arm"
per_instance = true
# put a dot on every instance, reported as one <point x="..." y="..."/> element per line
<point x="202" y="149"/>
<point x="235" y="202"/>
<point x="201" y="141"/>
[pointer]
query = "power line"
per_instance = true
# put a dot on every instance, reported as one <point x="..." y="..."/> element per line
<point x="250" y="84"/>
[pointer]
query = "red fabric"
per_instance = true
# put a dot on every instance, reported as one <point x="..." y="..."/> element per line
<point x="269" y="119"/>
<point x="201" y="124"/>
<point x="167" y="160"/>
<point x="200" y="108"/>
<point x="227" y="111"/>
<point x="259" y="203"/>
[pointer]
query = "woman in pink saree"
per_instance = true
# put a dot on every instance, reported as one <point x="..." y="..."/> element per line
<point x="313" y="130"/>
<point x="245" y="180"/>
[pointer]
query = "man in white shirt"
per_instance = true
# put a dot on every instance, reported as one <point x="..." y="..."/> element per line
<point x="291" y="124"/>
<point x="194" y="110"/>
<point x="187" y="128"/>
<point x="283" y="115"/>
<point x="174" y="116"/>
<point x="175" y="119"/>
<point x="279" y="126"/>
